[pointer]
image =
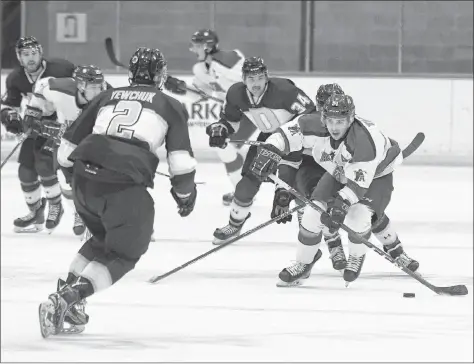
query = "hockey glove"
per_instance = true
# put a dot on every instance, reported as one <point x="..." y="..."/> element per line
<point x="266" y="161"/>
<point x="218" y="134"/>
<point x="337" y="211"/>
<point x="175" y="85"/>
<point x="12" y="121"/>
<point x="32" y="120"/>
<point x="281" y="204"/>
<point x="185" y="203"/>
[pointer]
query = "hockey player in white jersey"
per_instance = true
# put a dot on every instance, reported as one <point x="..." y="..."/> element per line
<point x="214" y="73"/>
<point x="57" y="102"/>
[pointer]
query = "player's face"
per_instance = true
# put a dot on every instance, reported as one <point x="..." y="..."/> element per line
<point x="256" y="83"/>
<point x="199" y="49"/>
<point x="91" y="90"/>
<point x="336" y="126"/>
<point x="30" y="58"/>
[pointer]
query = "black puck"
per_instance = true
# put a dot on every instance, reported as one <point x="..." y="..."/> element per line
<point x="409" y="295"/>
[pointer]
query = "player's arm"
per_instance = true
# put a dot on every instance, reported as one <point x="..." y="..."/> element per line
<point x="228" y="123"/>
<point x="78" y="131"/>
<point x="181" y="162"/>
<point x="10" y="107"/>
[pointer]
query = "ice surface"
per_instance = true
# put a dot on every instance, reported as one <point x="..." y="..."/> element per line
<point x="226" y="307"/>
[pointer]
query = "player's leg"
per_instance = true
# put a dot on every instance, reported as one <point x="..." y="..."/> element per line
<point x="66" y="190"/>
<point x="310" y="234"/>
<point x="31" y="187"/>
<point x="360" y="217"/>
<point x="46" y="168"/>
<point x="233" y="156"/>
<point x="386" y="234"/>
<point x="306" y="180"/>
<point x="245" y="192"/>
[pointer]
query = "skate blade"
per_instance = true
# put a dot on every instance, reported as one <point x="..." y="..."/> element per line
<point x="36" y="228"/>
<point x="296" y="283"/>
<point x="72" y="329"/>
<point x="45" y="311"/>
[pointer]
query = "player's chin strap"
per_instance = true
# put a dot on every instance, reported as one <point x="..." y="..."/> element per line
<point x="458" y="290"/>
<point x="227" y="243"/>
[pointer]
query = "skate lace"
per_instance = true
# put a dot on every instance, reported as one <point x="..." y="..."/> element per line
<point x="296" y="269"/>
<point x="337" y="253"/>
<point x="77" y="220"/>
<point x="54" y="212"/>
<point x="299" y="214"/>
<point x="229" y="229"/>
<point x="354" y="263"/>
<point x="28" y="216"/>
<point x="403" y="259"/>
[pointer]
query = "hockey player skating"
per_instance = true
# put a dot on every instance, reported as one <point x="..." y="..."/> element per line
<point x="270" y="103"/>
<point x="307" y="177"/>
<point x="355" y="190"/>
<point x="113" y="147"/>
<point x="36" y="170"/>
<point x="214" y="73"/>
<point x="57" y="102"/>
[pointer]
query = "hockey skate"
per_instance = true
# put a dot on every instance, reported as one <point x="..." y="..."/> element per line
<point x="228" y="232"/>
<point x="227" y="198"/>
<point x="337" y="255"/>
<point x="398" y="254"/>
<point x="353" y="268"/>
<point x="53" y="311"/>
<point x="293" y="275"/>
<point x="76" y="317"/>
<point x="55" y="214"/>
<point x="33" y="222"/>
<point x="79" y="228"/>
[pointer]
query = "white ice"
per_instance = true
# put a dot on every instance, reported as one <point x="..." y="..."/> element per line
<point x="226" y="307"/>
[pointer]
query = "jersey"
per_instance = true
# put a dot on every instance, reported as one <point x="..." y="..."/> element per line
<point x="121" y="131"/>
<point x="364" y="154"/>
<point x="224" y="70"/>
<point x="281" y="102"/>
<point x="19" y="84"/>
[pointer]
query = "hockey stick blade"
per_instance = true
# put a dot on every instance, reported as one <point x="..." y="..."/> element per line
<point x="414" y="145"/>
<point x="458" y="290"/>
<point x="109" y="47"/>
<point x="157" y="278"/>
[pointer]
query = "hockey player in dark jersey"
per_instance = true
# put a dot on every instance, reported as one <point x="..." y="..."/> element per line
<point x="36" y="170"/>
<point x="273" y="105"/>
<point x="214" y="73"/>
<point x="113" y="147"/>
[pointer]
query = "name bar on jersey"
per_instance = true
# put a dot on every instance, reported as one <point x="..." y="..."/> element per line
<point x="133" y="95"/>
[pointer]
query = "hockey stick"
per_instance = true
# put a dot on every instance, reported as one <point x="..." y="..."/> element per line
<point x="227" y="243"/>
<point x="20" y="142"/>
<point x="109" y="47"/>
<point x="167" y="175"/>
<point x="457" y="290"/>
<point x="410" y="148"/>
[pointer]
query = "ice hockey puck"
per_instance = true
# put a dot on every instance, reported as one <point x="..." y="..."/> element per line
<point x="409" y="295"/>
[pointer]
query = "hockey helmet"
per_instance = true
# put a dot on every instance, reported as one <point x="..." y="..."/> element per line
<point x="147" y="67"/>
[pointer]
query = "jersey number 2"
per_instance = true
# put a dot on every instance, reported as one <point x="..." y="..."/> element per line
<point x="124" y="116"/>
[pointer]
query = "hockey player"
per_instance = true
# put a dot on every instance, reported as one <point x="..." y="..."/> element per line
<point x="214" y="73"/>
<point x="307" y="177"/>
<point x="36" y="167"/>
<point x="58" y="102"/>
<point x="270" y="103"/>
<point x="113" y="147"/>
<point x="355" y="190"/>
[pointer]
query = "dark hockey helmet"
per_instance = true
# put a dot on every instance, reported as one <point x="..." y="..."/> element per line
<point x="28" y="43"/>
<point x="338" y="106"/>
<point x="147" y="67"/>
<point x="207" y="37"/>
<point x="325" y="91"/>
<point x="254" y="66"/>
<point x="89" y="74"/>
